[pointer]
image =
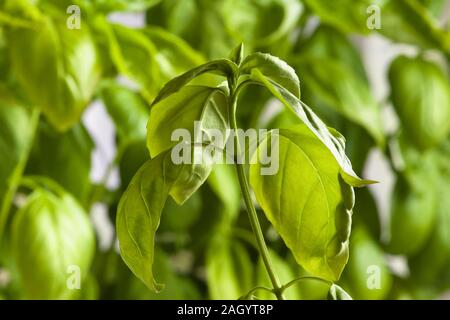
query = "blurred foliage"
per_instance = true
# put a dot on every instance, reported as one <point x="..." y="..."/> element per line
<point x="50" y="74"/>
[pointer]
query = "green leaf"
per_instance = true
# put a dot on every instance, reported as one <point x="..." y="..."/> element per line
<point x="425" y="111"/>
<point x="66" y="158"/>
<point x="337" y="293"/>
<point x="174" y="55"/>
<point x="409" y="21"/>
<point x="310" y="208"/>
<point x="229" y="269"/>
<point x="413" y="212"/>
<point x="139" y="210"/>
<point x="346" y="15"/>
<point x="134" y="56"/>
<point x="367" y="275"/>
<point x="46" y="245"/>
<point x="428" y="266"/>
<point x="206" y="105"/>
<point x="237" y="54"/>
<point x="274" y="69"/>
<point x="329" y="43"/>
<point x="138" y="217"/>
<point x="332" y="139"/>
<point x="128" y="110"/>
<point x="223" y="67"/>
<point x="58" y="69"/>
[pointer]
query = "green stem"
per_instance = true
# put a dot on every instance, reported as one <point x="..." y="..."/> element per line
<point x="290" y="283"/>
<point x="16" y="176"/>
<point x="245" y="190"/>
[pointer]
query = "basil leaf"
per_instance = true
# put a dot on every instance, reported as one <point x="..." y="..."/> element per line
<point x="134" y="56"/>
<point x="139" y="210"/>
<point x="223" y="67"/>
<point x="425" y="111"/>
<point x="414" y="24"/>
<point x="337" y="293"/>
<point x="312" y="217"/>
<point x="413" y="212"/>
<point x="66" y="158"/>
<point x="366" y="261"/>
<point x="62" y="73"/>
<point x="333" y="140"/>
<point x="329" y="43"/>
<point x="192" y="103"/>
<point x="346" y="15"/>
<point x="174" y="55"/>
<point x="46" y="223"/>
<point x="274" y="69"/>
<point x="428" y="266"/>
<point x="128" y="110"/>
<point x="138" y="217"/>
<point x="228" y="269"/>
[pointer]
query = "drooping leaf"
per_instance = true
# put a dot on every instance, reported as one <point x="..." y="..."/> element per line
<point x="421" y="96"/>
<point x="332" y="139"/>
<point x="139" y="210"/>
<point x="309" y="208"/>
<point x="138" y="217"/>
<point x="48" y="248"/>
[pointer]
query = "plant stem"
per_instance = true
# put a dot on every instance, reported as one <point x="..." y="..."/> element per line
<point x="245" y="190"/>
<point x="16" y="176"/>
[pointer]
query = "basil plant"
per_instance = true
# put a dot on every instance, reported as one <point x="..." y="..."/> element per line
<point x="308" y="200"/>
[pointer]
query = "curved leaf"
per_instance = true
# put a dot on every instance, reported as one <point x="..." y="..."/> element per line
<point x="274" y="69"/>
<point x="332" y="139"/>
<point x="310" y="208"/>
